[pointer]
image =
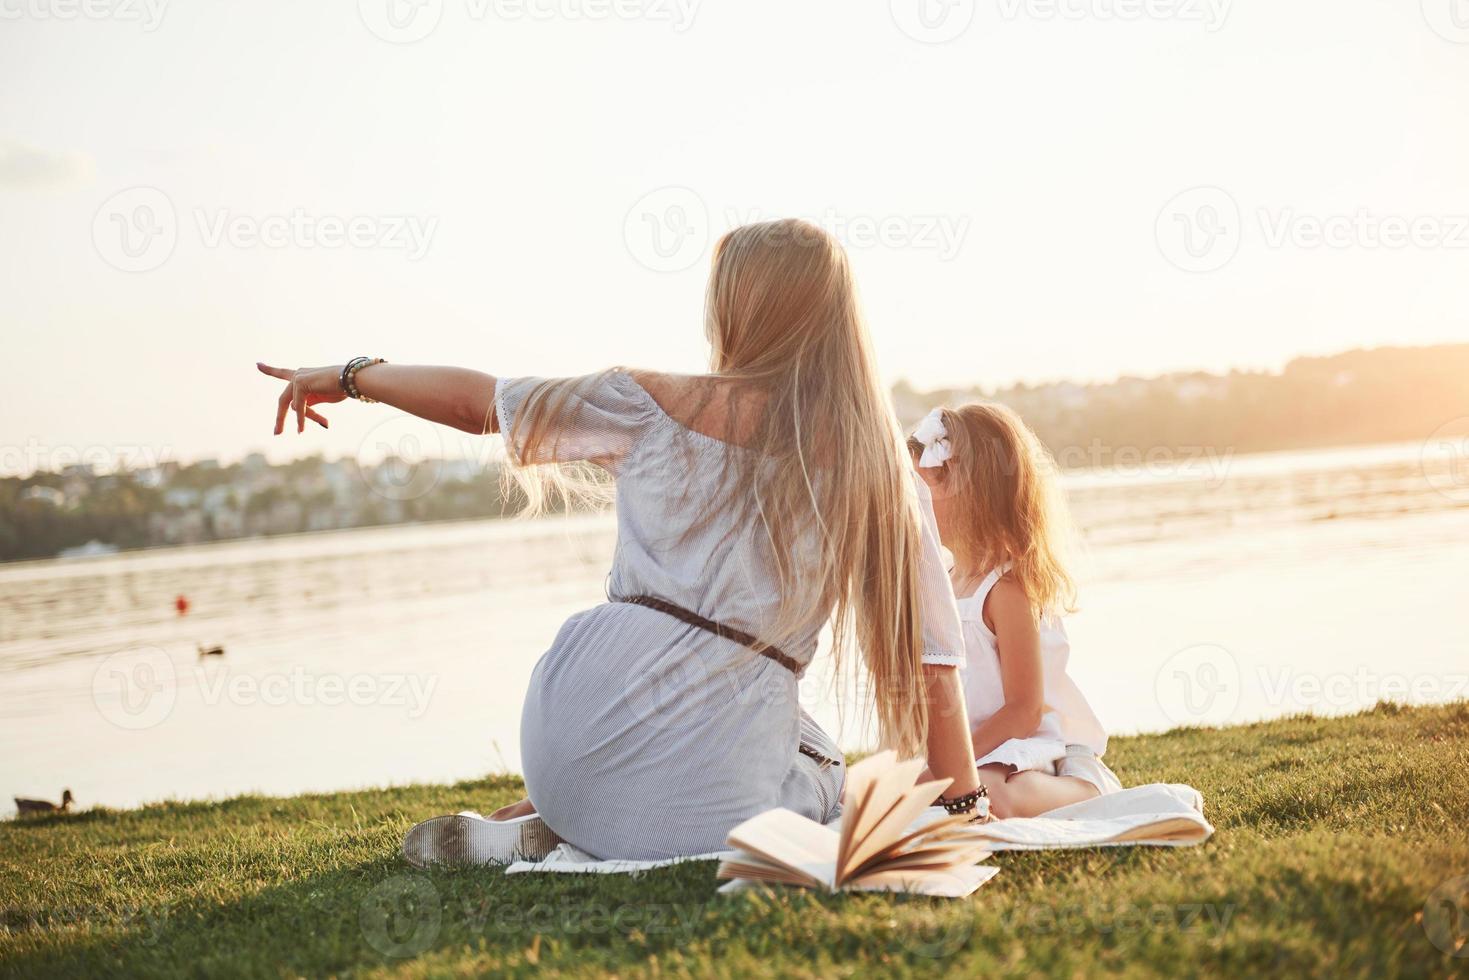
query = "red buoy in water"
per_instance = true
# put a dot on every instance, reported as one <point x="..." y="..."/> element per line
<point x="181" y="604"/>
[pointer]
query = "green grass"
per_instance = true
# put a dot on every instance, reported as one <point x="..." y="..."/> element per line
<point x="1332" y="835"/>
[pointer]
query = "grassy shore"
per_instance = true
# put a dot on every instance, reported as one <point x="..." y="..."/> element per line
<point x="1338" y="848"/>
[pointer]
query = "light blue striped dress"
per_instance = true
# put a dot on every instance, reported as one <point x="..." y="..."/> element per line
<point x="642" y="736"/>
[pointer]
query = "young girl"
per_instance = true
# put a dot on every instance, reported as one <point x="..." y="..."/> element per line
<point x="1037" y="741"/>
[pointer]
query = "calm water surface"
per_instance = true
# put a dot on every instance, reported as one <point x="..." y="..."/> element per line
<point x="1215" y="591"/>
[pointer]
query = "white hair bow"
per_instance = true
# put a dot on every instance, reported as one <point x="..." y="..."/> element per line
<point x="935" y="439"/>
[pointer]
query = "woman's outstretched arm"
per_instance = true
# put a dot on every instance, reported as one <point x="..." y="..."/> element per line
<point x="950" y="751"/>
<point x="452" y="396"/>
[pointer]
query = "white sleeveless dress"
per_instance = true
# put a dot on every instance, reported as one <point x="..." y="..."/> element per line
<point x="1068" y="718"/>
<point x="644" y="737"/>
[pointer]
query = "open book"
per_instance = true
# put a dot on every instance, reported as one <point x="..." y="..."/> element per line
<point x="882" y="844"/>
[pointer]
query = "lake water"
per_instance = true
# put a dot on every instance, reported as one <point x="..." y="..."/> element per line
<point x="1214" y="590"/>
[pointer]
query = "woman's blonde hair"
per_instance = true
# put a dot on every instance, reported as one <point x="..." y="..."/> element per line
<point x="824" y="461"/>
<point x="999" y="494"/>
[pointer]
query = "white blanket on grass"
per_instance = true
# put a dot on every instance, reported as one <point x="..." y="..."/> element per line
<point x="1157" y="815"/>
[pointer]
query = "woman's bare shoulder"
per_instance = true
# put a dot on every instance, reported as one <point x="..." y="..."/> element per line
<point x="668" y="390"/>
<point x="717" y="407"/>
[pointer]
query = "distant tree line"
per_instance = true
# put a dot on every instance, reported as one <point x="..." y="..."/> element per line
<point x="1358" y="397"/>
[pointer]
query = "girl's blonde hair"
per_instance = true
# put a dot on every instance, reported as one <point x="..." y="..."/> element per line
<point x="824" y="474"/>
<point x="999" y="492"/>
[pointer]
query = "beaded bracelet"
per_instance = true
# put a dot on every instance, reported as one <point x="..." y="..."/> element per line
<point x="345" y="368"/>
<point x="349" y="376"/>
<point x="965" y="803"/>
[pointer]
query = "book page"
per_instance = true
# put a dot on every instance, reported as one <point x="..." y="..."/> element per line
<point x="881" y="808"/>
<point x="950" y="854"/>
<point x="786" y="838"/>
<point x="750" y="867"/>
<point x="862" y="796"/>
<point x="929" y="834"/>
<point x="892" y="827"/>
<point x="856" y="798"/>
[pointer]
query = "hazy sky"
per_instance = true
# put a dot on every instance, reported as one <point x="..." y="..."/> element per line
<point x="530" y="186"/>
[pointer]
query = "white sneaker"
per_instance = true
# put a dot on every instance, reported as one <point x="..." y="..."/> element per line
<point x="469" y="839"/>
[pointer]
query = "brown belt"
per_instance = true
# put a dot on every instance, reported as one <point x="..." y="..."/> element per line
<point x="718" y="629"/>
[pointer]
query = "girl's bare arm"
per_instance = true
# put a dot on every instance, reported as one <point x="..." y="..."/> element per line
<point x="1009" y="614"/>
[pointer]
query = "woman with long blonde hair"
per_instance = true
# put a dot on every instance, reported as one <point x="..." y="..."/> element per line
<point x="756" y="504"/>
